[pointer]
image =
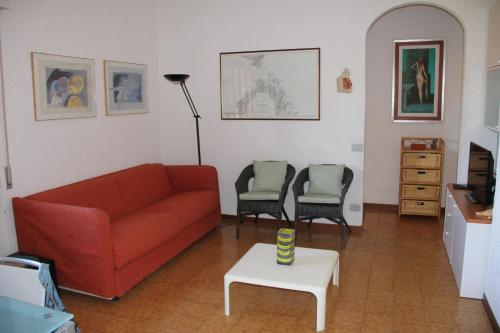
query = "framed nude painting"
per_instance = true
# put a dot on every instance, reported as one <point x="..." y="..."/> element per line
<point x="418" y="80"/>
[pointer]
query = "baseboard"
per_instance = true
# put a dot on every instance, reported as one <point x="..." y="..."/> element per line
<point x="88" y="294"/>
<point x="392" y="208"/>
<point x="490" y="315"/>
<point x="317" y="226"/>
<point x="387" y="207"/>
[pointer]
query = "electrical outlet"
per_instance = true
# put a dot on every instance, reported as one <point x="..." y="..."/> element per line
<point x="357" y="147"/>
<point x="355" y="207"/>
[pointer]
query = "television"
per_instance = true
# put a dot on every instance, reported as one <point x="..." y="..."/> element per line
<point x="481" y="180"/>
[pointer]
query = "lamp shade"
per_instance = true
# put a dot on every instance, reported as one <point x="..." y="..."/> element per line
<point x="176" y="77"/>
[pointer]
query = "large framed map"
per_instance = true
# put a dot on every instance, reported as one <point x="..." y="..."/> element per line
<point x="271" y="84"/>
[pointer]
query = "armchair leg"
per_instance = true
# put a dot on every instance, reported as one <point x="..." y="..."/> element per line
<point x="342" y="239"/>
<point x="256" y="218"/>
<point x="286" y="215"/>
<point x="296" y="226"/>
<point x="309" y="224"/>
<point x="347" y="225"/>
<point x="238" y="227"/>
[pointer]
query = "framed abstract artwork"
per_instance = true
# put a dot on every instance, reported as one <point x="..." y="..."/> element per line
<point x="418" y="80"/>
<point x="125" y="87"/>
<point x="273" y="84"/>
<point x="63" y="87"/>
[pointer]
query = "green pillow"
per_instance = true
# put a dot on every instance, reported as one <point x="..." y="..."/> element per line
<point x="326" y="179"/>
<point x="269" y="175"/>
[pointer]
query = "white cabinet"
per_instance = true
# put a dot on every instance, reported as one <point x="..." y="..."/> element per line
<point x="467" y="246"/>
<point x="451" y="205"/>
<point x="457" y="252"/>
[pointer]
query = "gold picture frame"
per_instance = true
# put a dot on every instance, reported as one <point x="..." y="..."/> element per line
<point x="63" y="86"/>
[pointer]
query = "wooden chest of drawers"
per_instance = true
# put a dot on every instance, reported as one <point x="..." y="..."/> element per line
<point x="421" y="174"/>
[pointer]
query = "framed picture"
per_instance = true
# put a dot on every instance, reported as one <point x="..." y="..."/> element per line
<point x="274" y="84"/>
<point x="418" y="80"/>
<point x="492" y="107"/>
<point x="125" y="87"/>
<point x="63" y="87"/>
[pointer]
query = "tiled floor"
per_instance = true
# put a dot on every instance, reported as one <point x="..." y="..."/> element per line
<point x="395" y="277"/>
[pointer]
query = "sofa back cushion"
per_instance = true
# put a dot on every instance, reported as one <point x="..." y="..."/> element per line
<point x="101" y="192"/>
<point x="143" y="185"/>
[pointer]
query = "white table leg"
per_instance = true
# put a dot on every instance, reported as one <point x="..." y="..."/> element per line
<point x="336" y="273"/>
<point x="320" y="309"/>
<point x="227" y="282"/>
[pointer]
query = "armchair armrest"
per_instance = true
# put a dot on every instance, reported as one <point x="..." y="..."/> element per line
<point x="243" y="179"/>
<point x="346" y="181"/>
<point x="78" y="239"/>
<point x="193" y="177"/>
<point x="290" y="173"/>
<point x="298" y="185"/>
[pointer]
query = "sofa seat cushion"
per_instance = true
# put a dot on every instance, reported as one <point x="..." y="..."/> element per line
<point x="187" y="206"/>
<point x="136" y="234"/>
<point x="141" y="232"/>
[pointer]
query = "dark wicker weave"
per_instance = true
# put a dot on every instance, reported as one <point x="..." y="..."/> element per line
<point x="310" y="211"/>
<point x="256" y="207"/>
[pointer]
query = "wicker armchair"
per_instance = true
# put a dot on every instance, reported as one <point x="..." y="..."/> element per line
<point x="255" y="207"/>
<point x="310" y="211"/>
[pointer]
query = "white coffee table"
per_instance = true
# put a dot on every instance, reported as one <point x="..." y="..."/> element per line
<point x="311" y="272"/>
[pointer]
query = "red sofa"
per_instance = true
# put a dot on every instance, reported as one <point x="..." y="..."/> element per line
<point x="108" y="233"/>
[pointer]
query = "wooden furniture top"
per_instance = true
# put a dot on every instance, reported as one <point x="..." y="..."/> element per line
<point x="468" y="209"/>
<point x="407" y="141"/>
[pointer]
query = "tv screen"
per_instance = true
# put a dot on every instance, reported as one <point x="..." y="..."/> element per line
<point x="480" y="174"/>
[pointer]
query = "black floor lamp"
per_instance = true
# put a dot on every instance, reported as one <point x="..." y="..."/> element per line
<point x="181" y="79"/>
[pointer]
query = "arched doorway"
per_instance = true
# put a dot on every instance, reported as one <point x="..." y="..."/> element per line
<point x="382" y="135"/>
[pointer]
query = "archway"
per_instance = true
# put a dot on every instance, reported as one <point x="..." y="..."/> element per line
<point x="382" y="135"/>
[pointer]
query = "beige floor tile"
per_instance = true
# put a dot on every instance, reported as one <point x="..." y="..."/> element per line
<point x="395" y="277"/>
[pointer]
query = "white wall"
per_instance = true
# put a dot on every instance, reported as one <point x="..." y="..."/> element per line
<point x="204" y="29"/>
<point x="474" y="19"/>
<point x="209" y="28"/>
<point x="493" y="277"/>
<point x="187" y="36"/>
<point x="383" y="136"/>
<point x="46" y="154"/>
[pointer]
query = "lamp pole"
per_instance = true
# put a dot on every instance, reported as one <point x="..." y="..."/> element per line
<point x="181" y="79"/>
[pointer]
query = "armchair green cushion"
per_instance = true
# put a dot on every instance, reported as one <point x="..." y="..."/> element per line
<point x="254" y="195"/>
<point x="269" y="175"/>
<point x="326" y="179"/>
<point x="319" y="199"/>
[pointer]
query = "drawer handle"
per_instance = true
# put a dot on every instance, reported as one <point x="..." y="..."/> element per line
<point x="421" y="172"/>
<point x="422" y="156"/>
<point x="420" y="203"/>
<point x="420" y="188"/>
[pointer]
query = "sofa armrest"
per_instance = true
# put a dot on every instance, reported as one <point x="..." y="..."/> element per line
<point x="193" y="177"/>
<point x="78" y="239"/>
